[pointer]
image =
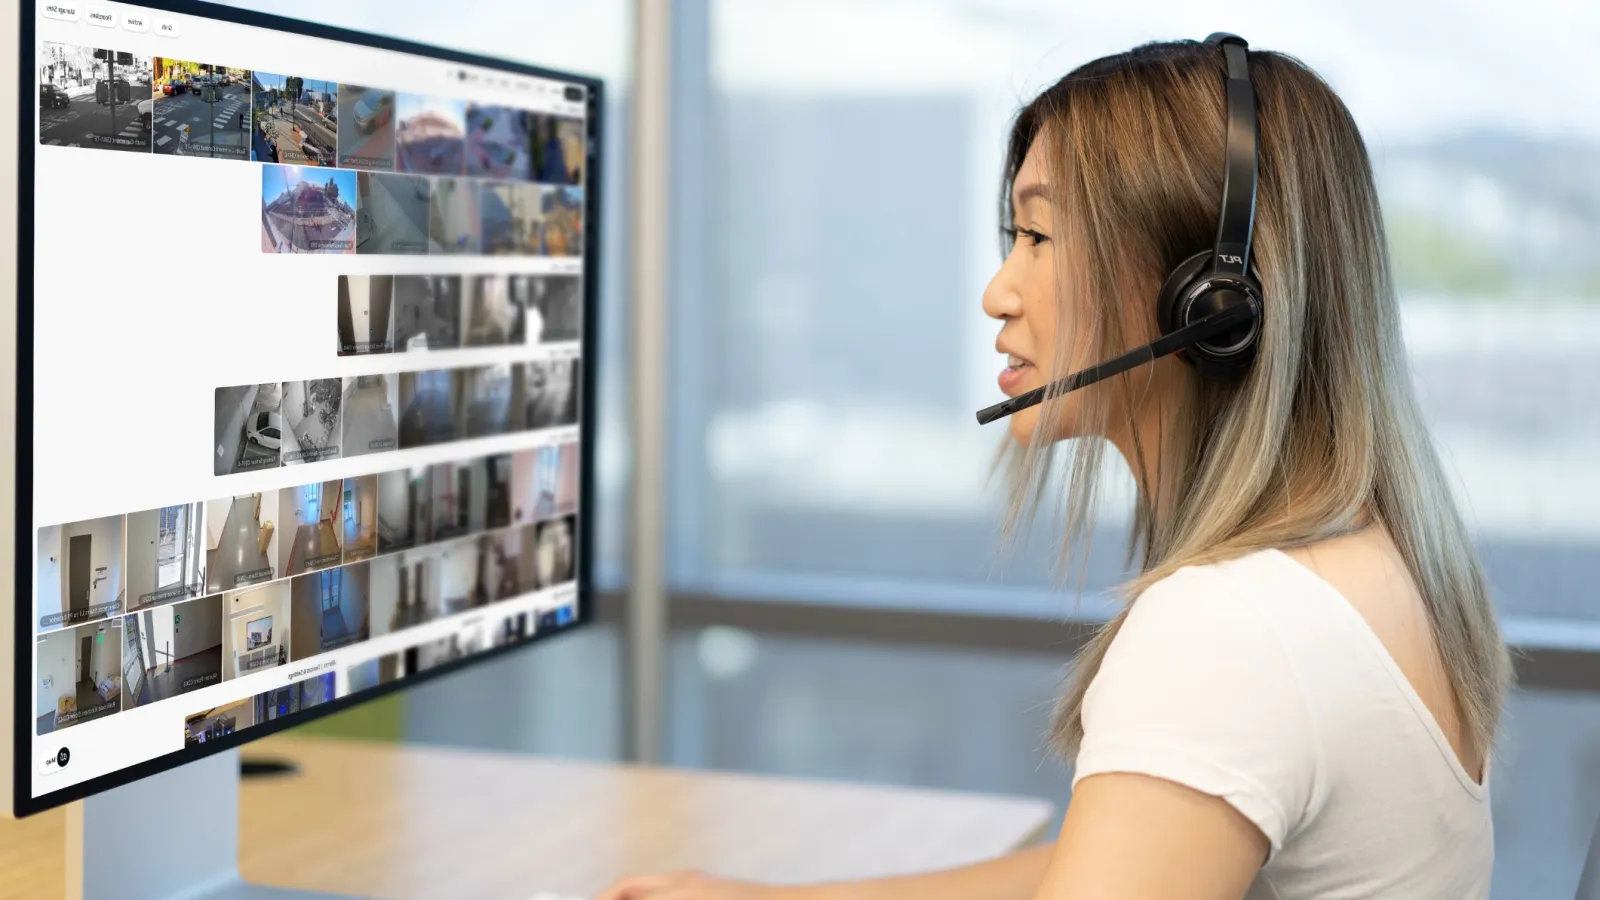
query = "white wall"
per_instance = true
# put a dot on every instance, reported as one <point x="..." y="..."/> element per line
<point x="527" y="562"/>
<point x="293" y="509"/>
<point x="546" y="478"/>
<point x="143" y="530"/>
<point x="355" y="595"/>
<point x="567" y="480"/>
<point x="511" y="541"/>
<point x="269" y="516"/>
<point x="360" y="287"/>
<point x="491" y="565"/>
<point x="199" y="626"/>
<point x="107" y="658"/>
<point x="393" y="491"/>
<point x="357" y="514"/>
<point x="216" y="516"/>
<point x="522" y="493"/>
<point x="50" y="590"/>
<point x="105" y="551"/>
<point x="58" y="660"/>
<point x="442" y="498"/>
<point x="497" y="303"/>
<point x="294" y="398"/>
<point x="458" y="570"/>
<point x="332" y="496"/>
<point x="161" y="636"/>
<point x="385" y="591"/>
<point x="427" y="587"/>
<point x="478" y="493"/>
<point x="305" y="595"/>
<point x="367" y="504"/>
<point x="195" y="532"/>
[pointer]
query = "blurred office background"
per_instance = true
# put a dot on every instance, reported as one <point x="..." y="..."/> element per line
<point x="838" y="606"/>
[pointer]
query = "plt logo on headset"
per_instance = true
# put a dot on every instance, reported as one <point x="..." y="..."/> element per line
<point x="1209" y="307"/>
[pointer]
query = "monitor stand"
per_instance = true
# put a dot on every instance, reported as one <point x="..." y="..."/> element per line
<point x="173" y="835"/>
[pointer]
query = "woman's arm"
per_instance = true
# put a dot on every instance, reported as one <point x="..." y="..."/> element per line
<point x="1136" y="837"/>
<point x="1127" y="836"/>
<point x="1013" y="877"/>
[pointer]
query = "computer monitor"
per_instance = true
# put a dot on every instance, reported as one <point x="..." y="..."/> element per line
<point x="303" y="385"/>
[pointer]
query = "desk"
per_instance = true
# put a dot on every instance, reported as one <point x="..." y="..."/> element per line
<point x="403" y="822"/>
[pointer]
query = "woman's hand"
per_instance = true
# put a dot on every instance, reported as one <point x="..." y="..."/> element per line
<point x="689" y="885"/>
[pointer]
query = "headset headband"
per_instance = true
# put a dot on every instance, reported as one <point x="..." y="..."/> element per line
<point x="1231" y="255"/>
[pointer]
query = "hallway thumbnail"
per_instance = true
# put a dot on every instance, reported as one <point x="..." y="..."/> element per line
<point x="311" y="516"/>
<point x="80" y="572"/>
<point x="79" y="675"/>
<point x="371" y="414"/>
<point x="365" y="323"/>
<point x="428" y="407"/>
<point x="165" y="555"/>
<point x="172" y="650"/>
<point x="329" y="610"/>
<point x="403" y="517"/>
<point x="241" y="540"/>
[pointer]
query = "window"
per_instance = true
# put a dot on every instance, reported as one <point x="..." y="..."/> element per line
<point x="830" y="349"/>
<point x="171" y="545"/>
<point x="330" y="585"/>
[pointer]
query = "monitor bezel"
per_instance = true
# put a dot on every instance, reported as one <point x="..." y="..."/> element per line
<point x="23" y="803"/>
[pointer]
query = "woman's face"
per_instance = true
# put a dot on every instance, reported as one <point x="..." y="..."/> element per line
<point x="1023" y="297"/>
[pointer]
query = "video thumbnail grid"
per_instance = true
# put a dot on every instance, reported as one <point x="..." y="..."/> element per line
<point x="102" y="98"/>
<point x="407" y="313"/>
<point x="418" y="545"/>
<point x="213" y="723"/>
<point x="264" y="426"/>
<point x="340" y="211"/>
<point x="98" y="569"/>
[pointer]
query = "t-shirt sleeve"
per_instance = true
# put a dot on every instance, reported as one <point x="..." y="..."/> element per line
<point x="1197" y="689"/>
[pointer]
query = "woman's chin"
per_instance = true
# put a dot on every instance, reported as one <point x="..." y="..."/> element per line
<point x="1022" y="425"/>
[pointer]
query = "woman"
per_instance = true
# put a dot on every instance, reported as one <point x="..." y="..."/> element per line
<point x="1301" y="697"/>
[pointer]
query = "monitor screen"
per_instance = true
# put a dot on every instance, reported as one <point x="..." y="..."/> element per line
<point x="303" y="413"/>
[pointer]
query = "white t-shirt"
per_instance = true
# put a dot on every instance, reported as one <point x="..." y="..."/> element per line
<point x="1254" y="680"/>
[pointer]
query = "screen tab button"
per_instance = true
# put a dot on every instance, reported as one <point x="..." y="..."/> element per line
<point x="66" y="12"/>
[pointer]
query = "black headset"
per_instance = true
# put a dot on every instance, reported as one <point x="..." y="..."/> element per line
<point x="1209" y="308"/>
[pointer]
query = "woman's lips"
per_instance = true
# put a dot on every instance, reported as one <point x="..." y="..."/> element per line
<point x="1012" y="377"/>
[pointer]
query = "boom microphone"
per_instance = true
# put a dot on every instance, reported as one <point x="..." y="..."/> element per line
<point x="1207" y="327"/>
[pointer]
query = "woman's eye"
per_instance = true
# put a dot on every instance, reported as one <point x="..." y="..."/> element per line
<point x="1034" y="238"/>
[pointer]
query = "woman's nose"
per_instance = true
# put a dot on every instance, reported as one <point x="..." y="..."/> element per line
<point x="1000" y="298"/>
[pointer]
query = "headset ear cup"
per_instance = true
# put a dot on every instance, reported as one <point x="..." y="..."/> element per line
<point x="1176" y="285"/>
<point x="1233" y="351"/>
<point x="1186" y="280"/>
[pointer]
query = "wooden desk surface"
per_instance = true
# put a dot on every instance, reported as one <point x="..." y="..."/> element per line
<point x="402" y="822"/>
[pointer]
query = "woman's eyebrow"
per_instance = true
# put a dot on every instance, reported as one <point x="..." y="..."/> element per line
<point x="1029" y="192"/>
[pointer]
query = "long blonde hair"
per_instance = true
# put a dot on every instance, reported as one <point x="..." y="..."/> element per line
<point x="1322" y="428"/>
